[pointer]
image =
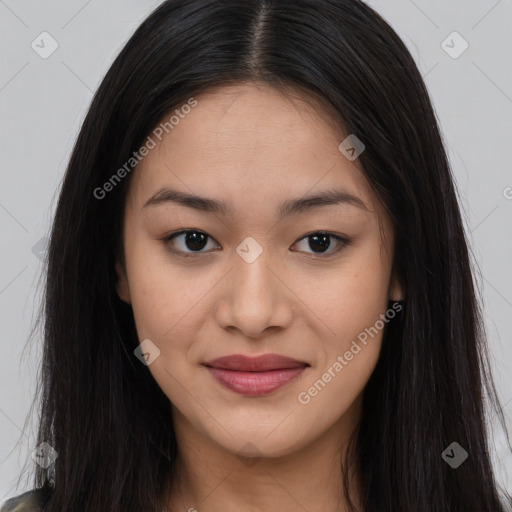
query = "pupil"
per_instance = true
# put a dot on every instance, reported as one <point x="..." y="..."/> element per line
<point x="322" y="240"/>
<point x="194" y="239"/>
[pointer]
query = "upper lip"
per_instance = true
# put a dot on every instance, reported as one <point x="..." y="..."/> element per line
<point x="260" y="363"/>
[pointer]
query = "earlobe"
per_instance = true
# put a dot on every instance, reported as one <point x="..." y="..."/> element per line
<point x="396" y="288"/>
<point x="122" y="288"/>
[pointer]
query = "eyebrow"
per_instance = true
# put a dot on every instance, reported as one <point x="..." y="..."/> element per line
<point x="288" y="207"/>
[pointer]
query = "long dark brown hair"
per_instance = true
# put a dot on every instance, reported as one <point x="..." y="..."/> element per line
<point x="102" y="411"/>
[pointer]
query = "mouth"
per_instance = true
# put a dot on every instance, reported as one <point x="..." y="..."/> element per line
<point x="255" y="376"/>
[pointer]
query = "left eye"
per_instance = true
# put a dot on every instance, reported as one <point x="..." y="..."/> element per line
<point x="320" y="242"/>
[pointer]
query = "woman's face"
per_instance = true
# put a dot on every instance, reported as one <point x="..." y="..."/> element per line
<point x="259" y="275"/>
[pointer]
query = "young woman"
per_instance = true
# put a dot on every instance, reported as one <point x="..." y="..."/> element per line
<point x="259" y="293"/>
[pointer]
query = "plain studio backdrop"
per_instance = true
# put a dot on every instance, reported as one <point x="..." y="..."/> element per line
<point x="462" y="48"/>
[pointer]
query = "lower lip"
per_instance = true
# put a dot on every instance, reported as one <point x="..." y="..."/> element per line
<point x="255" y="383"/>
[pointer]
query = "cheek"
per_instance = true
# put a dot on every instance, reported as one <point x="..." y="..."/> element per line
<point x="170" y="304"/>
<point x="163" y="294"/>
<point x="165" y="307"/>
<point x="351" y="306"/>
<point x="352" y="296"/>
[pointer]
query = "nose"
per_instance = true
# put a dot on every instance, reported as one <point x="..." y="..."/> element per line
<point x="255" y="299"/>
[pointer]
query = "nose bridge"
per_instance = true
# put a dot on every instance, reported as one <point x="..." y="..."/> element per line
<point x="254" y="299"/>
<point x="253" y="284"/>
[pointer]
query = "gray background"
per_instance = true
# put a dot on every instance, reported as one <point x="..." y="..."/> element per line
<point x="43" y="101"/>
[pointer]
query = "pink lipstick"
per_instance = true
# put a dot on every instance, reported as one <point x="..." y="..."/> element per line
<point x="255" y="375"/>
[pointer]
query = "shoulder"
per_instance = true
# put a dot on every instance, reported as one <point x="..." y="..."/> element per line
<point x="30" y="501"/>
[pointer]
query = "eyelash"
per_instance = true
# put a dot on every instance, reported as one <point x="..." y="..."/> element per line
<point x="344" y="242"/>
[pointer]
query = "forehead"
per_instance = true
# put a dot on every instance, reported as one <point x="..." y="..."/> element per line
<point x="248" y="142"/>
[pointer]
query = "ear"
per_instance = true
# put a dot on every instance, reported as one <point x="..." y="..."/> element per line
<point x="122" y="288"/>
<point x="396" y="288"/>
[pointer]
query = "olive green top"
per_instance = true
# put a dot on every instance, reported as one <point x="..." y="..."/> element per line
<point x="30" y="501"/>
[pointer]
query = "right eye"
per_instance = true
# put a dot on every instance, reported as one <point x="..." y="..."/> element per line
<point x="192" y="240"/>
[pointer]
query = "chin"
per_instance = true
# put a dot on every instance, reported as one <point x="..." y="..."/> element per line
<point x="251" y="441"/>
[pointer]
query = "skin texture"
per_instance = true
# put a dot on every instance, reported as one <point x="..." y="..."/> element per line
<point x="254" y="148"/>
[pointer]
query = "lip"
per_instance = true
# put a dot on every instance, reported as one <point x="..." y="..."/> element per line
<point x="262" y="363"/>
<point x="255" y="376"/>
